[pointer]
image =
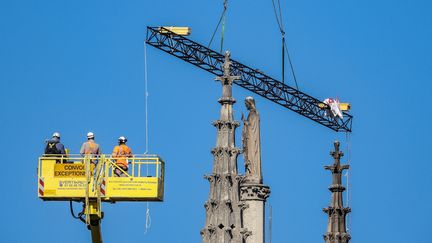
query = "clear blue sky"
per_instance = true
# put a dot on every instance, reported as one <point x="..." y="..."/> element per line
<point x="78" y="66"/>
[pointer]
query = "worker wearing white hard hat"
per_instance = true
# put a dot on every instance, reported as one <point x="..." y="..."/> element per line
<point x="54" y="146"/>
<point x="120" y="154"/>
<point x="90" y="147"/>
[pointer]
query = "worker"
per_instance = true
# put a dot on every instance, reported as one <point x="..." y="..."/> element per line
<point x="54" y="148"/>
<point x="90" y="147"/>
<point x="121" y="153"/>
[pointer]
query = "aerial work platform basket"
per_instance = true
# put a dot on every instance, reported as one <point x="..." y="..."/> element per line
<point x="76" y="178"/>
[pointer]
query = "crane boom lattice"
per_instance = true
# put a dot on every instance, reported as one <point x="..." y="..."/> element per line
<point x="250" y="78"/>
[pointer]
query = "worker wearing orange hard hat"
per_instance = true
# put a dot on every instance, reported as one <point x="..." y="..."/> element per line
<point x="121" y="152"/>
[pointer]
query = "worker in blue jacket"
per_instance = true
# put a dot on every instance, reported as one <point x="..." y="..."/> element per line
<point x="54" y="146"/>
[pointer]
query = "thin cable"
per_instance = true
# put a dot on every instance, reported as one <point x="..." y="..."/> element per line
<point x="221" y="20"/>
<point x="71" y="210"/>
<point x="223" y="25"/>
<point x="148" y="219"/>
<point x="146" y="98"/>
<point x="80" y="215"/>
<point x="146" y="102"/>
<point x="222" y="34"/>
<point x="348" y="174"/>
<point x="279" y="21"/>
<point x="217" y="27"/>
<point x="291" y="65"/>
<point x="280" y="15"/>
<point x="270" y="223"/>
<point x="283" y="58"/>
<point x="277" y="17"/>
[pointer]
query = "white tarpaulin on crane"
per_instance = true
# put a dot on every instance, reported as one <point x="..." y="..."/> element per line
<point x="334" y="110"/>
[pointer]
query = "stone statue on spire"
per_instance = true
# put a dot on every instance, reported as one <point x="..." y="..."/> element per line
<point x="252" y="143"/>
<point x="252" y="191"/>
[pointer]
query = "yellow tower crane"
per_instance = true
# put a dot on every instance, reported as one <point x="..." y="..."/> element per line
<point x="92" y="180"/>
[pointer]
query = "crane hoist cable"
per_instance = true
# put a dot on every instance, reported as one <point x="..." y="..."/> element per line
<point x="223" y="25"/>
<point x="270" y="227"/>
<point x="279" y="21"/>
<point x="146" y="99"/>
<point x="147" y="217"/>
<point x="348" y="179"/>
<point x="221" y="20"/>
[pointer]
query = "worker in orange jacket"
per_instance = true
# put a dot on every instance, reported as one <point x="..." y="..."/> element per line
<point x="121" y="153"/>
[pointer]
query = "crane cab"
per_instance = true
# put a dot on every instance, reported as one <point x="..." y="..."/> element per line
<point x="77" y="178"/>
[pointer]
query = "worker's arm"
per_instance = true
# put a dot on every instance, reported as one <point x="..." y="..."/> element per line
<point x="60" y="147"/>
<point x="127" y="152"/>
<point x="99" y="151"/>
<point x="115" y="152"/>
<point x="46" y="146"/>
<point x="82" y="150"/>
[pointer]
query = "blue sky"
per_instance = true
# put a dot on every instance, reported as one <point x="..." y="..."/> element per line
<point x="78" y="66"/>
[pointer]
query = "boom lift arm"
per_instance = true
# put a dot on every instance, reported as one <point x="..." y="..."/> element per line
<point x="250" y="78"/>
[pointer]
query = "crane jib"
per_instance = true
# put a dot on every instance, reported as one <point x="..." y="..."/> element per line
<point x="251" y="79"/>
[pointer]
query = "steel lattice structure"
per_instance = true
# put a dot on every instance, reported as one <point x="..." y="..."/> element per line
<point x="250" y="78"/>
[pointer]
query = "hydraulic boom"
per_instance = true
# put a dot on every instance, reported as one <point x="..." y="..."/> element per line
<point x="250" y="78"/>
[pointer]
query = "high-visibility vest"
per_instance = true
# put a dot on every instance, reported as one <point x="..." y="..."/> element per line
<point x="121" y="152"/>
<point x="91" y="148"/>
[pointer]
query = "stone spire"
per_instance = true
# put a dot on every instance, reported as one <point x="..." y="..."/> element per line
<point x="223" y="215"/>
<point x="336" y="228"/>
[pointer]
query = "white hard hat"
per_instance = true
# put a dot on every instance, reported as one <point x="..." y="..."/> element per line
<point x="56" y="134"/>
<point x="90" y="135"/>
<point x="122" y="139"/>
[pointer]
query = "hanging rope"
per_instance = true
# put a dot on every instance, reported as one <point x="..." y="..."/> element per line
<point x="348" y="174"/>
<point x="270" y="228"/>
<point x="221" y="20"/>
<point x="279" y="21"/>
<point x="223" y="25"/>
<point x="146" y="98"/>
<point x="291" y="65"/>
<point x="148" y="219"/>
